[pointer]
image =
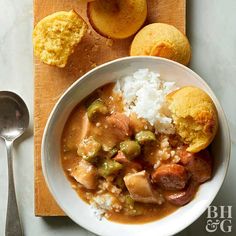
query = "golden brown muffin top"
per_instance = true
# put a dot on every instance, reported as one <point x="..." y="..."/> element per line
<point x="117" y="19"/>
<point x="195" y="117"/>
<point x="56" y="35"/>
<point x="163" y="40"/>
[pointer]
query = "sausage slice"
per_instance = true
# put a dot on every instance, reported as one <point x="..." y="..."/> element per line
<point x="131" y="165"/>
<point x="198" y="164"/>
<point x="170" y="176"/>
<point x="185" y="196"/>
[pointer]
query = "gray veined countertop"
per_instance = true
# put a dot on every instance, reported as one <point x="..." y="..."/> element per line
<point x="211" y="28"/>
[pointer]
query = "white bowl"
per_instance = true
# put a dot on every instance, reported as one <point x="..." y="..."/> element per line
<point x="67" y="198"/>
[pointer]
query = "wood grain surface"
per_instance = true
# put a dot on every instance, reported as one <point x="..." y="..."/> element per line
<point x="50" y="82"/>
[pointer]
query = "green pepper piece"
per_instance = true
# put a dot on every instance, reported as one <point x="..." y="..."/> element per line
<point x="97" y="107"/>
<point x="132" y="208"/>
<point x="109" y="167"/>
<point x="89" y="149"/>
<point x="130" y="148"/>
<point x="145" y="136"/>
<point x="129" y="202"/>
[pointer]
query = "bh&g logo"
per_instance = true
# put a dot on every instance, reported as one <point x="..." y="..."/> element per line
<point x="219" y="218"/>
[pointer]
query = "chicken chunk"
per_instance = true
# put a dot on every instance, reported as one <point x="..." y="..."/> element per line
<point x="74" y="133"/>
<point x="140" y="189"/>
<point x="85" y="174"/>
<point x="120" y="125"/>
<point x="139" y="124"/>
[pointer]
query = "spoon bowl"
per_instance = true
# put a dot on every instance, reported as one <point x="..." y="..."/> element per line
<point x="14" y="115"/>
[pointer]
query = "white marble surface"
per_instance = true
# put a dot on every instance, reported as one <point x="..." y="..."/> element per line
<point x="212" y="32"/>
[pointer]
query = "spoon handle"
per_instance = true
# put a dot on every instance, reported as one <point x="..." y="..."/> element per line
<point x="13" y="226"/>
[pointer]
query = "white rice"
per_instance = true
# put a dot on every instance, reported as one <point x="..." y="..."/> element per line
<point x="105" y="202"/>
<point x="144" y="94"/>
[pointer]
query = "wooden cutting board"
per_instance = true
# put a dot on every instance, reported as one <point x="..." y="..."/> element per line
<point x="50" y="82"/>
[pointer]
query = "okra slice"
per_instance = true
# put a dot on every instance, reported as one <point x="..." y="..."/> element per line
<point x="145" y="136"/>
<point x="130" y="148"/>
<point x="109" y="167"/>
<point x="97" y="107"/>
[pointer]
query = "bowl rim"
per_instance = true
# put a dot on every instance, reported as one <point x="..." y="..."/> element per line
<point x="130" y="58"/>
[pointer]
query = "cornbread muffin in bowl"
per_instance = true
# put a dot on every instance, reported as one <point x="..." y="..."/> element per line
<point x="195" y="117"/>
<point x="98" y="158"/>
<point x="117" y="19"/>
<point x="56" y="36"/>
<point x="162" y="40"/>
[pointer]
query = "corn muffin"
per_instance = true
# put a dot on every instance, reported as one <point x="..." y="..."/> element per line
<point x="117" y="19"/>
<point x="161" y="40"/>
<point x="56" y="35"/>
<point x="195" y="117"/>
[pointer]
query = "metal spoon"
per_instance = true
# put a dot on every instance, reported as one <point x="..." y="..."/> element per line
<point x="14" y="120"/>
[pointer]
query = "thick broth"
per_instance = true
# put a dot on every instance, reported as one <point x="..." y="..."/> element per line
<point x="72" y="136"/>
